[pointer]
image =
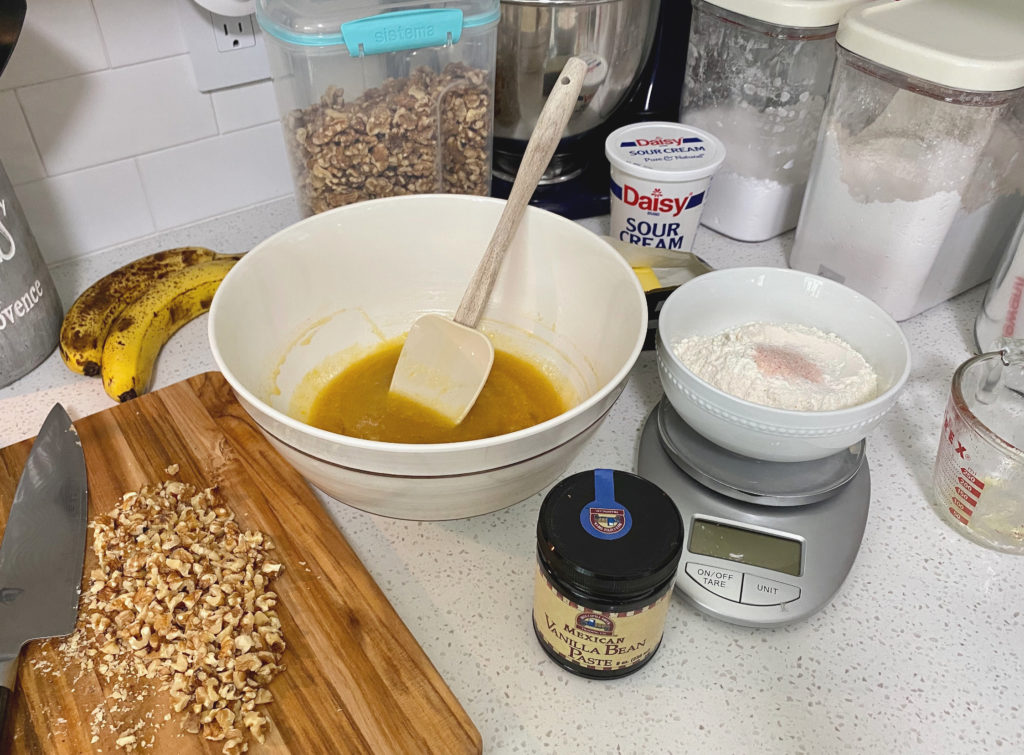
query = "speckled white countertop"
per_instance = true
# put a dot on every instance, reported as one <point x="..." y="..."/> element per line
<point x="922" y="650"/>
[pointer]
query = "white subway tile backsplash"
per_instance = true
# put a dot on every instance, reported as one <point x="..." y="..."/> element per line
<point x="216" y="176"/>
<point x="102" y="117"/>
<point x="245" y="106"/>
<point x="107" y="138"/>
<point x="59" y="38"/>
<point x="78" y="213"/>
<point x="136" y="31"/>
<point x="17" y="150"/>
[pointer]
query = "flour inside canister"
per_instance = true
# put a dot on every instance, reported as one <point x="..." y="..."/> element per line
<point x="782" y="365"/>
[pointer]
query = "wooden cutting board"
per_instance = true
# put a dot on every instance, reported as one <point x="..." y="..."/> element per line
<point x="355" y="679"/>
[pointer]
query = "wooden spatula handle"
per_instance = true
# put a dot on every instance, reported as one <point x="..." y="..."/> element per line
<point x="550" y="124"/>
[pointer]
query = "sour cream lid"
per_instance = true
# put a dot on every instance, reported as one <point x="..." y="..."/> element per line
<point x="664" y="151"/>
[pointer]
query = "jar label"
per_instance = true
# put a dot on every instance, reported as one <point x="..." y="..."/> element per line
<point x="656" y="214"/>
<point x="604" y="517"/>
<point x="593" y="639"/>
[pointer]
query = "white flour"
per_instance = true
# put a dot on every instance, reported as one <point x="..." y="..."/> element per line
<point x="883" y="247"/>
<point x="751" y="209"/>
<point x="758" y="191"/>
<point x="783" y="365"/>
<point x="912" y="209"/>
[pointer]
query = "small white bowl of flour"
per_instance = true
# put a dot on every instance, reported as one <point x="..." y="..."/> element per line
<point x="778" y="364"/>
<point x="785" y="365"/>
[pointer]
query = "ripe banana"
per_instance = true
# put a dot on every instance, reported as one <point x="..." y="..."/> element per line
<point x="88" y="320"/>
<point x="144" y="326"/>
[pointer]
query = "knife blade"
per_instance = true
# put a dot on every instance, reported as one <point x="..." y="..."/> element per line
<point x="43" y="550"/>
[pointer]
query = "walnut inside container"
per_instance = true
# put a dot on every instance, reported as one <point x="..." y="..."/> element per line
<point x="426" y="133"/>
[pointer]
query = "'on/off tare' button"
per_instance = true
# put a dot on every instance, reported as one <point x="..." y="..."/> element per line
<point x="723" y="582"/>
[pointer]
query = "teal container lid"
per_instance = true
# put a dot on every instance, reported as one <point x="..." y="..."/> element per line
<point x="372" y="29"/>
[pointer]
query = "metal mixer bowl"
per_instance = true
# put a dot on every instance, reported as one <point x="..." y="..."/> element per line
<point x="535" y="38"/>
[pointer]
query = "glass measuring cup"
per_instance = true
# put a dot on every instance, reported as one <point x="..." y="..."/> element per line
<point x="978" y="480"/>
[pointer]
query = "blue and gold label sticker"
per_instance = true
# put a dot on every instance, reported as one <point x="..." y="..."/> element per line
<point x="595" y="640"/>
<point x="604" y="517"/>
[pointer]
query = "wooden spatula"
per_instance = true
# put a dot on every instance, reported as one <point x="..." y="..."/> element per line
<point x="445" y="363"/>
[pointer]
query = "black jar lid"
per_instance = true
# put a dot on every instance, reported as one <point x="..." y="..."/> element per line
<point x="609" y="533"/>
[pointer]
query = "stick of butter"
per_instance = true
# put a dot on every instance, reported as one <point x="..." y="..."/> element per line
<point x="648" y="279"/>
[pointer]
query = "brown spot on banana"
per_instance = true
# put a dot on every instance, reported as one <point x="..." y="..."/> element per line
<point x="139" y="333"/>
<point x="90" y="317"/>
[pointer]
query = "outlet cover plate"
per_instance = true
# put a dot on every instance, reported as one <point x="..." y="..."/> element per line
<point x="225" y="50"/>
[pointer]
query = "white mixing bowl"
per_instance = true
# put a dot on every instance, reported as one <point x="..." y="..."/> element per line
<point x="329" y="289"/>
<point x="724" y="299"/>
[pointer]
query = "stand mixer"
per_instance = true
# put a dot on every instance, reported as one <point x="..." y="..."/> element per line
<point x="636" y="55"/>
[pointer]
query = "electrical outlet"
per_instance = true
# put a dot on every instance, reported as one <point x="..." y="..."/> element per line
<point x="225" y="50"/>
<point x="233" y="32"/>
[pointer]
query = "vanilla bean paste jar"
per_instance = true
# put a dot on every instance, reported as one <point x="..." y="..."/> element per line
<point x="608" y="546"/>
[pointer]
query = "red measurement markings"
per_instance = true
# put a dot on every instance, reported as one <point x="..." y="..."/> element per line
<point x="971" y="479"/>
<point x="964" y="496"/>
<point x="959" y="517"/>
<point x="1013" y="308"/>
<point x="968" y="490"/>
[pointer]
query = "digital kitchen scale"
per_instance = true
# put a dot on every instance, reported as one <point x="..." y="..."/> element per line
<point x="767" y="543"/>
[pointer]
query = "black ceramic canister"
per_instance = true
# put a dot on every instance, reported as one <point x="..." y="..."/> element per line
<point x="608" y="545"/>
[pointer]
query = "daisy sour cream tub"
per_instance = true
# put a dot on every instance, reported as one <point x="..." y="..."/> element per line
<point x="660" y="172"/>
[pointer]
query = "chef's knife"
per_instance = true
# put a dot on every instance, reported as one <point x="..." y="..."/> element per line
<point x="43" y="550"/>
<point x="12" y="16"/>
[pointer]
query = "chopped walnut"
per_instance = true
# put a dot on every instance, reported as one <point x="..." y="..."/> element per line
<point x="182" y="595"/>
<point x="425" y="133"/>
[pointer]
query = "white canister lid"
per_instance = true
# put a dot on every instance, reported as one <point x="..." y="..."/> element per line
<point x="664" y="151"/>
<point x="976" y="45"/>
<point x="800" y="14"/>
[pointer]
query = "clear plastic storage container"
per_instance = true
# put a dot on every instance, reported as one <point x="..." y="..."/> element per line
<point x="1000" y="322"/>
<point x="383" y="98"/>
<point x="757" y="76"/>
<point x="918" y="176"/>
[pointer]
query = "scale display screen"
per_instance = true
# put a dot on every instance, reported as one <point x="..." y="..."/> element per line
<point x="745" y="546"/>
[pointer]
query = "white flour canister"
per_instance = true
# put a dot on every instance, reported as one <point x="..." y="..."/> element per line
<point x="917" y="181"/>
<point x="757" y="75"/>
<point x="660" y="172"/>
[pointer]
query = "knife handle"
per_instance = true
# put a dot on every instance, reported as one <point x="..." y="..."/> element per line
<point x="8" y="677"/>
<point x="5" y="695"/>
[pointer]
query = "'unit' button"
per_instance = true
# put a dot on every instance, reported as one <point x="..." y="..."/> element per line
<point x="723" y="582"/>
<point x="758" y="591"/>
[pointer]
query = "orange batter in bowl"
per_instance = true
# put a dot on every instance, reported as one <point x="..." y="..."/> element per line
<point x="356" y="403"/>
